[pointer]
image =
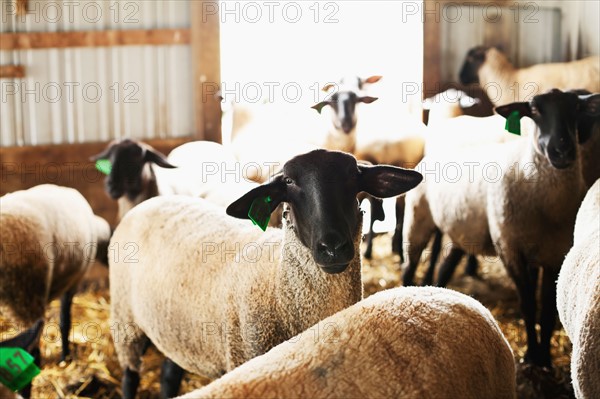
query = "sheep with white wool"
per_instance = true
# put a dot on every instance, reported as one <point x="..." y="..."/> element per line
<point x="400" y="343"/>
<point x="240" y="291"/>
<point x="490" y="67"/>
<point x="525" y="215"/>
<point x="50" y="238"/>
<point x="199" y="169"/>
<point x="578" y="297"/>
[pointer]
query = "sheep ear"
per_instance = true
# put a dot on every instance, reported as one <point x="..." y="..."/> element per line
<point x="27" y="339"/>
<point x="591" y="105"/>
<point x="274" y="190"/>
<point x="588" y="117"/>
<point x="366" y="99"/>
<point x="384" y="181"/>
<point x="320" y="106"/>
<point x="524" y="109"/>
<point x="158" y="158"/>
<point x="328" y="86"/>
<point x="372" y="79"/>
<point x="104" y="154"/>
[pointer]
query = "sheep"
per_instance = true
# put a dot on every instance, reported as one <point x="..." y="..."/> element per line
<point x="296" y="130"/>
<point x="199" y="169"/>
<point x="27" y="340"/>
<point x="489" y="67"/>
<point x="578" y="297"/>
<point x="525" y="214"/>
<point x="413" y="342"/>
<point x="459" y="134"/>
<point x="50" y="238"/>
<point x="239" y="291"/>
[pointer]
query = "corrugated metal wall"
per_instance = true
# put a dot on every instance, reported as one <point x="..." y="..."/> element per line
<point x="79" y="95"/>
<point x="529" y="34"/>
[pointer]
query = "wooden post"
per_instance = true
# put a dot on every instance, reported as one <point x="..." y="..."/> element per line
<point x="206" y="69"/>
<point x="431" y="47"/>
<point x="21" y="7"/>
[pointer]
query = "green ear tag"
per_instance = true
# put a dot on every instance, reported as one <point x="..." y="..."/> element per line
<point x="260" y="212"/>
<point x="104" y="166"/>
<point x="513" y="123"/>
<point x="17" y="368"/>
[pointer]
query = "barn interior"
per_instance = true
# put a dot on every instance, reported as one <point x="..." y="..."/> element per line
<point x="78" y="76"/>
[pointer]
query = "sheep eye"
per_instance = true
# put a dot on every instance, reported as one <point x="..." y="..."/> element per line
<point x="288" y="180"/>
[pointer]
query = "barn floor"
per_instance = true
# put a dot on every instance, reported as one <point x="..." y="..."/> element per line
<point x="94" y="371"/>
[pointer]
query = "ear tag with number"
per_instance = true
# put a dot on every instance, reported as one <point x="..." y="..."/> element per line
<point x="104" y="166"/>
<point x="513" y="123"/>
<point x="260" y="212"/>
<point x="17" y="368"/>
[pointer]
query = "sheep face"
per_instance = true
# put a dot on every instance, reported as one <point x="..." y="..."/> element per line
<point x="470" y="69"/>
<point x="128" y="159"/>
<point x="557" y="115"/>
<point x="343" y="104"/>
<point x="320" y="188"/>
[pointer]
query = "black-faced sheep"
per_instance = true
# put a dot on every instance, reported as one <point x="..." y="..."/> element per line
<point x="240" y="291"/>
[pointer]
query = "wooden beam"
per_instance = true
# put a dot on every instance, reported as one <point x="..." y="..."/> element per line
<point x="206" y="69"/>
<point x="12" y="71"/>
<point x="41" y="40"/>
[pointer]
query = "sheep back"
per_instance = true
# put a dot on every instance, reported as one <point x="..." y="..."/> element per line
<point x="404" y="342"/>
<point x="50" y="237"/>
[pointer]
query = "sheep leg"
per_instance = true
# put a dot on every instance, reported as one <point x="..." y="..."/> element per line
<point x="369" y="251"/>
<point x="472" y="266"/>
<point x="65" y="321"/>
<point x="130" y="383"/>
<point x="171" y="375"/>
<point x="448" y="266"/>
<point x="415" y="249"/>
<point x="548" y="316"/>
<point x="526" y="288"/>
<point x="130" y="343"/>
<point x="397" y="239"/>
<point x="436" y="247"/>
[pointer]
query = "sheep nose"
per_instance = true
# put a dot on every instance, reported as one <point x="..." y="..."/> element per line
<point x="563" y="151"/>
<point x="332" y="246"/>
<point x="347" y="127"/>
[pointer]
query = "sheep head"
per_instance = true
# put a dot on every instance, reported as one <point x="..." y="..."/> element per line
<point x="128" y="158"/>
<point x="558" y="118"/>
<point x="321" y="188"/>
